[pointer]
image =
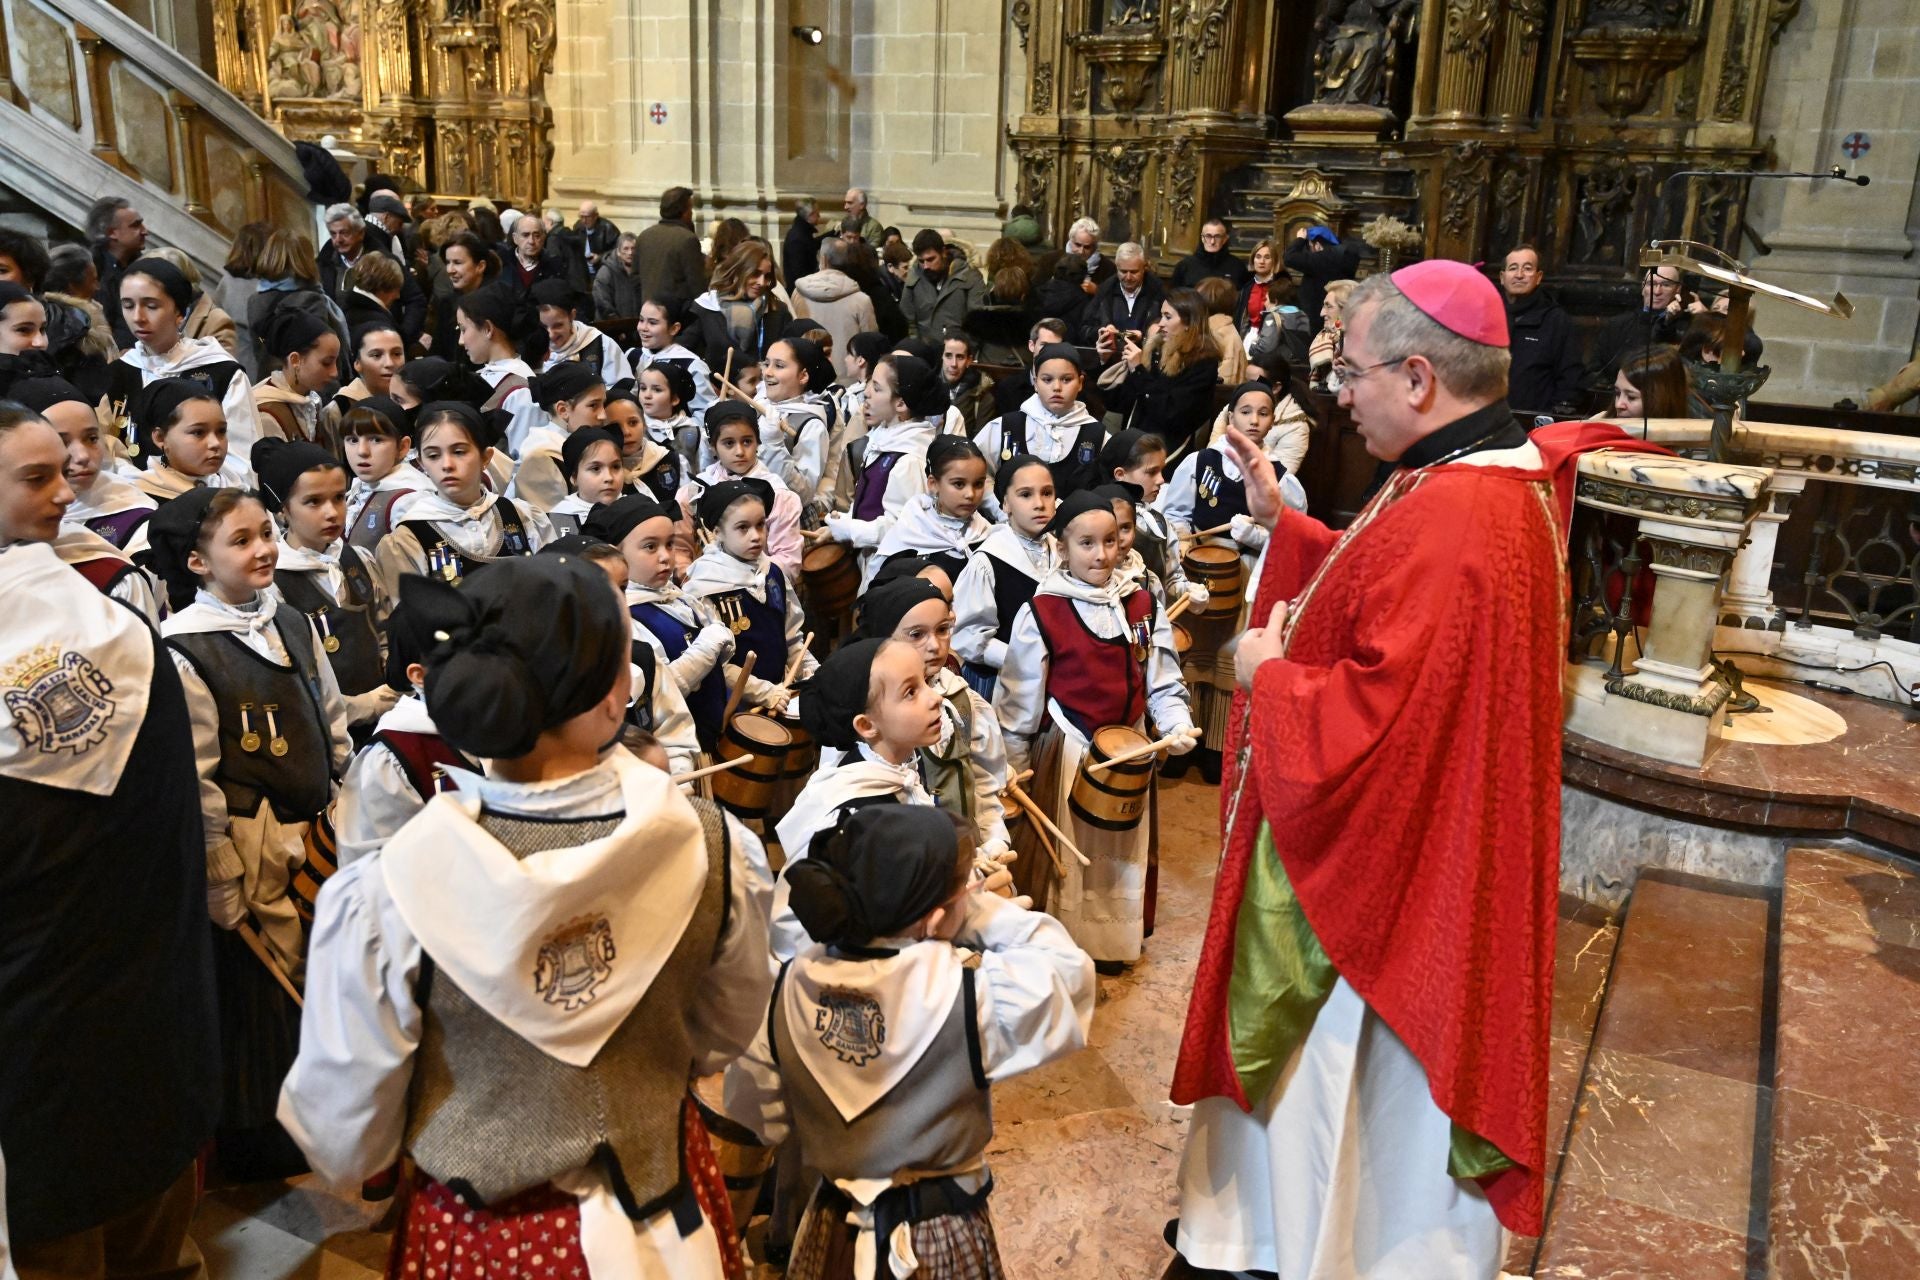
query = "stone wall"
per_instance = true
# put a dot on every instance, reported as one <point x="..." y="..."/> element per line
<point x="907" y="98"/>
<point x="1841" y="66"/>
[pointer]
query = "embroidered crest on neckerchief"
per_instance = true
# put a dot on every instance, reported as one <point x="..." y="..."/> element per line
<point x="58" y="700"/>
<point x="573" y="961"/>
<point x="850" y="1023"/>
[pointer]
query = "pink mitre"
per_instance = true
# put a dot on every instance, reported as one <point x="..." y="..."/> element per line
<point x="1457" y="298"/>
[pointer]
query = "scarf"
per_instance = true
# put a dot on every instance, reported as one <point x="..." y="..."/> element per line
<point x="108" y="495"/>
<point x="406" y="478"/>
<point x="922" y="527"/>
<point x="717" y="571"/>
<point x="474" y="530"/>
<point x="1008" y="545"/>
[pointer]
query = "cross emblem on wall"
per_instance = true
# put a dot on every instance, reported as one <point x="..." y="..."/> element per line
<point x="1856" y="145"/>
<point x="658" y="113"/>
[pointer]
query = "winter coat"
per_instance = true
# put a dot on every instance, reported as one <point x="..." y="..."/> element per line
<point x="934" y="307"/>
<point x="834" y="299"/>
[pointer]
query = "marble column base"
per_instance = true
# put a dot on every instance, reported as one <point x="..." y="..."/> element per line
<point x="1652" y="719"/>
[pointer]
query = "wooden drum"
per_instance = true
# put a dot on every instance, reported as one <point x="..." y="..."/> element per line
<point x="1113" y="799"/>
<point x="743" y="1161"/>
<point x="748" y="790"/>
<point x="1219" y="570"/>
<point x="802" y="755"/>
<point x="1182" y="641"/>
<point x="831" y="574"/>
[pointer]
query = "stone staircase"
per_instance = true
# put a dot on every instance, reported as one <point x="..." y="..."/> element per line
<point x="1734" y="1091"/>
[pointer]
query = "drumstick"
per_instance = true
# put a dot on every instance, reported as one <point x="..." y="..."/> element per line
<point x="1147" y="750"/>
<point x="1021" y="776"/>
<point x="728" y="372"/>
<point x="793" y="668"/>
<point x="1178" y="607"/>
<point x="259" y="949"/>
<point x="763" y="408"/>
<point x="1206" y="533"/>
<point x="1046" y="842"/>
<point x="684" y="778"/>
<point x="1026" y="802"/>
<point x="739" y="690"/>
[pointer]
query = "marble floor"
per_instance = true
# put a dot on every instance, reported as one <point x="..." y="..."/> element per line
<point x="1085" y="1152"/>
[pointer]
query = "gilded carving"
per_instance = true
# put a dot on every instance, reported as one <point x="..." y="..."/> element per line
<point x="1183" y="177"/>
<point x="1022" y="14"/>
<point x="1509" y="201"/>
<point x="1465" y="176"/>
<point x="1469" y="27"/>
<point x="1199" y="28"/>
<point x="1043" y="87"/>
<point x="1036" y="176"/>
<point x="1730" y="102"/>
<point x="1606" y="191"/>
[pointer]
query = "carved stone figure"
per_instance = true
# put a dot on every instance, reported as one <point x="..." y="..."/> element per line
<point x="336" y="47"/>
<point x="292" y="70"/>
<point x="1355" y="59"/>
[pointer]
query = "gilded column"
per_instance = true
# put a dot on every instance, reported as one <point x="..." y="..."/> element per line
<point x="1457" y="77"/>
<point x="1510" y="100"/>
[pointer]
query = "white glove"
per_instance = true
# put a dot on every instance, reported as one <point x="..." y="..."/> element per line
<point x="1199" y="595"/>
<point x="365" y="708"/>
<point x="1241" y="527"/>
<point x="226" y="903"/>
<point x="717" y="636"/>
<point x="1181" y="745"/>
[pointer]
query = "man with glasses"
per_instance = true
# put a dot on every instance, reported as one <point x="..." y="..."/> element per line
<point x="1657" y="320"/>
<point x="1366" y="1048"/>
<point x="1212" y="258"/>
<point x="1546" y="370"/>
<point x="526" y="256"/>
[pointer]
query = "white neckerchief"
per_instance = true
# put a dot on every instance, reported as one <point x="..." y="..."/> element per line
<point x="325" y="562"/>
<point x="561" y="945"/>
<point x="671" y="598"/>
<point x="922" y="527"/>
<point x="571" y="505"/>
<point x="1131" y="571"/>
<point x="409" y="715"/>
<point x="108" y="495"/>
<point x="913" y="992"/>
<point x="1059" y="582"/>
<point x="494" y="370"/>
<point x="77" y="544"/>
<point x="652" y="452"/>
<point x="1049" y="438"/>
<point x="902" y="437"/>
<point x="716" y="571"/>
<point x="162" y="481"/>
<point x="474" y="530"/>
<point x="1006" y="544"/>
<point x="579" y="340"/>
<point x="549" y="437"/>
<point x="952" y="687"/>
<point x="251" y="623"/>
<point x="714" y="473"/>
<point x="859" y="776"/>
<point x="188" y="353"/>
<point x="666" y="431"/>
<point x="76" y="671"/>
<point x="405" y="477"/>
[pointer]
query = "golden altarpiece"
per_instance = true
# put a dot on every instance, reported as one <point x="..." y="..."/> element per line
<point x="1476" y="123"/>
<point x="448" y="93"/>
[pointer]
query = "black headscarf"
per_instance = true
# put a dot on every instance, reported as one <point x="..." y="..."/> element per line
<point x="679" y="381"/>
<point x="1004" y="474"/>
<point x="918" y="383"/>
<point x="1057" y="351"/>
<point x="568" y="380"/>
<point x="388" y="408"/>
<point x="611" y="522"/>
<point x="713" y="504"/>
<point x="837" y="692"/>
<point x="1077" y="504"/>
<point x="517" y="649"/>
<point x="280" y="463"/>
<point x="170" y="278"/>
<point x="481" y="426"/>
<point x="808" y="355"/>
<point x="41" y="394"/>
<point x="172" y="533"/>
<point x="721" y="412"/>
<point x="882" y="608"/>
<point x="574" y="451"/>
<point x="881" y="869"/>
<point x="902" y="564"/>
<point x="1119" y="491"/>
<point x="152" y="407"/>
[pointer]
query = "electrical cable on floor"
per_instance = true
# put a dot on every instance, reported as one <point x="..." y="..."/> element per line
<point x="1905" y="692"/>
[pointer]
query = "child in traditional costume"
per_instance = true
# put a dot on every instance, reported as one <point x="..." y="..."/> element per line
<point x="270" y="739"/>
<point x="459" y="523"/>
<point x="733" y="439"/>
<point x="691" y="642"/>
<point x="669" y="435"/>
<point x="571" y="340"/>
<point x="377" y="436"/>
<point x="1006" y="569"/>
<point x="969" y="990"/>
<point x="105" y="502"/>
<point x="378" y="351"/>
<point x="572" y="398"/>
<point x="1052" y="425"/>
<point x="325" y="577"/>
<point x="155" y="297"/>
<point x="527" y="1041"/>
<point x="1090" y="651"/>
<point x="184" y="428"/>
<point x="305" y="351"/>
<point x="748" y="592"/>
<point x="595" y="475"/>
<point x="794" y="426"/>
<point x="1139" y="458"/>
<point x="871" y="702"/>
<point x="944" y="523"/>
<point x="661" y="320"/>
<point x="886" y="467"/>
<point x="485" y="327"/>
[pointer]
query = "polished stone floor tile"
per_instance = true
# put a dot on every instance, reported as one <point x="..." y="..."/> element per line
<point x="1846" y="1191"/>
<point x="1607" y="1239"/>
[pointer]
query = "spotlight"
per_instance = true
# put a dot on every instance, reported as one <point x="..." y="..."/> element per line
<point x="812" y="35"/>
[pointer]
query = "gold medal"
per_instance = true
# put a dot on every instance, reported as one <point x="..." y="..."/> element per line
<point x="1006" y="455"/>
<point x="331" y="644"/>
<point x="249" y="741"/>
<point x="740" y="625"/>
<point x="278" y="746"/>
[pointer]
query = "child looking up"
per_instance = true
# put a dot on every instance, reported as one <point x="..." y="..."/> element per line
<point x="1139" y="458"/>
<point x="1052" y="425"/>
<point x="323" y="576"/>
<point x="661" y="321"/>
<point x="1004" y="571"/>
<point x="606" y="944"/>
<point x="270" y="739"/>
<point x="970" y="990"/>
<point x="590" y="461"/>
<point x="572" y="397"/>
<point x="749" y="592"/>
<point x="442" y="533"/>
<point x="733" y="439"/>
<point x="377" y="438"/>
<point x="693" y="646"/>
<point x="943" y="524"/>
<point x="871" y="702"/>
<point x="1089" y="651"/>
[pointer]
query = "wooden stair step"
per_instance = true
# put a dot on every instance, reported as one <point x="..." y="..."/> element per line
<point x="1845" y="1175"/>
<point x="1658" y="1178"/>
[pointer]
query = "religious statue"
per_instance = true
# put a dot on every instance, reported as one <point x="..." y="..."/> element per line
<point x="292" y="71"/>
<point x="335" y="42"/>
<point x="1131" y="13"/>
<point x="1355" y="60"/>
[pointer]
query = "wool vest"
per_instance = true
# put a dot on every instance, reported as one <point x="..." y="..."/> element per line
<point x="448" y="561"/>
<point x="949" y="774"/>
<point x="346" y="626"/>
<point x="423" y="758"/>
<point x="491" y="1116"/>
<point x="1216" y="498"/>
<point x="759" y="628"/>
<point x="1097" y="681"/>
<point x="707" y="701"/>
<point x="1079" y="469"/>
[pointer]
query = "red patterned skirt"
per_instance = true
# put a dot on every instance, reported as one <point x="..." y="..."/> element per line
<point x="536" y="1234"/>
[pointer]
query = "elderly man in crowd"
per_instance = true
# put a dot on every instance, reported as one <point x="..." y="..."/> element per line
<point x="859" y="221"/>
<point x="596" y="235"/>
<point x="1128" y="302"/>
<point x="1658" y="319"/>
<point x="118" y="235"/>
<point x="616" y="287"/>
<point x="1546" y="372"/>
<point x="351" y="237"/>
